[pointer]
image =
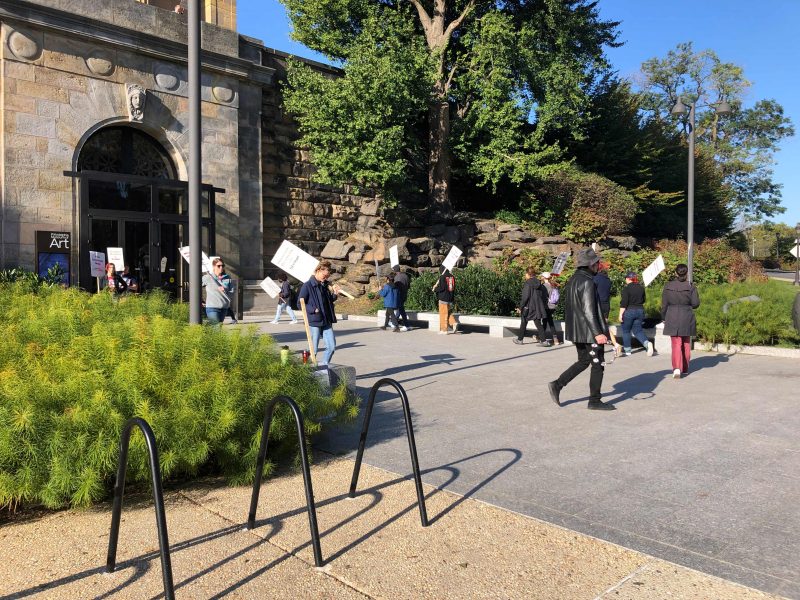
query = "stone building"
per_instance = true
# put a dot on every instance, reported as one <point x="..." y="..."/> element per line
<point x="94" y="141"/>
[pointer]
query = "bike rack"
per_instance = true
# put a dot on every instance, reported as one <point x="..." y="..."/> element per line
<point x="262" y="456"/>
<point x="412" y="447"/>
<point x="158" y="497"/>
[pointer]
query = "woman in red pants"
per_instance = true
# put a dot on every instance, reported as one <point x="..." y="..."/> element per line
<point x="678" y="302"/>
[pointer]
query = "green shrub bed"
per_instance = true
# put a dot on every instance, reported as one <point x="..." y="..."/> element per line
<point x="74" y="367"/>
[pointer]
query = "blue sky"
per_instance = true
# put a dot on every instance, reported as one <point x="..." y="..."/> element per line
<point x="763" y="38"/>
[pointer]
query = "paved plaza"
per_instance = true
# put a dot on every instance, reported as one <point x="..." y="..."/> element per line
<point x="704" y="472"/>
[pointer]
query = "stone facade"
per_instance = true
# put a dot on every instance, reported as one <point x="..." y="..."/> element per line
<point x="62" y="78"/>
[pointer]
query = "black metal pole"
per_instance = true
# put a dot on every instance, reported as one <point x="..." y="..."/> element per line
<point x="195" y="170"/>
<point x="262" y="456"/>
<point x="158" y="498"/>
<point x="690" y="198"/>
<point x="412" y="446"/>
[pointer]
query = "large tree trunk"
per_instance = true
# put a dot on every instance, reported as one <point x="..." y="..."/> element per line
<point x="439" y="160"/>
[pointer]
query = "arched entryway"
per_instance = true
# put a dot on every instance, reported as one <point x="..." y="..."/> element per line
<point x="130" y="198"/>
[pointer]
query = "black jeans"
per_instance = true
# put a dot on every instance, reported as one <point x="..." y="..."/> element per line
<point x="523" y="324"/>
<point x="588" y="355"/>
<point x="390" y="317"/>
<point x="548" y="322"/>
<point x="401" y="312"/>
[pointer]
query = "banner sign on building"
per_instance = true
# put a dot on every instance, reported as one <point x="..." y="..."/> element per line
<point x="296" y="262"/>
<point x="53" y="248"/>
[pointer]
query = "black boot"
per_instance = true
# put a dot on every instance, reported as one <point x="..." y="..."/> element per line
<point x="555" y="390"/>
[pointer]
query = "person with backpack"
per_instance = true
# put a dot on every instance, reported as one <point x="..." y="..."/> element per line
<point x="286" y="298"/>
<point x="533" y="307"/>
<point x="678" y="303"/>
<point x="402" y="283"/>
<point x="445" y="290"/>
<point x="553" y="296"/>
<point x="390" y="294"/>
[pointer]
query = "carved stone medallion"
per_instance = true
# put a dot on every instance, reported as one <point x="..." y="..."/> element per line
<point x="137" y="96"/>
<point x="24" y="45"/>
<point x="100" y="63"/>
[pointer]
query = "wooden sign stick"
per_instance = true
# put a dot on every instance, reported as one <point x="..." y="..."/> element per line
<point x="308" y="331"/>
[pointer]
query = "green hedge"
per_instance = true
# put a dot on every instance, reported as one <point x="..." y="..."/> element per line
<point x="74" y="367"/>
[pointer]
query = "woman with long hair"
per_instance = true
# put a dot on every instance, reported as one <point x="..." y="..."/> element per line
<point x="678" y="303"/>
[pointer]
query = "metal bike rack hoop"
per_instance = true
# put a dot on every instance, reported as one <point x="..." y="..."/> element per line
<point x="412" y="447"/>
<point x="158" y="497"/>
<point x="262" y="456"/>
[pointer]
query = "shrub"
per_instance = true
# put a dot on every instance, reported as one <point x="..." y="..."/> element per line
<point x="768" y="322"/>
<point x="420" y="297"/>
<point x="74" y="367"/>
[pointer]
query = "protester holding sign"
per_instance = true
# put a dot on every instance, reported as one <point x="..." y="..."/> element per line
<point x="321" y="316"/>
<point x="112" y="281"/>
<point x="402" y="283"/>
<point x="586" y="328"/>
<point x="631" y="313"/>
<point x="285" y="298"/>
<point x="678" y="301"/>
<point x="219" y="290"/>
<point x="445" y="290"/>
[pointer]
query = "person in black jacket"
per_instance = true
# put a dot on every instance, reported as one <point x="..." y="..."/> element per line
<point x="113" y="281"/>
<point x="285" y="298"/>
<point x="678" y="301"/>
<point x="320" y="313"/>
<point x="445" y="290"/>
<point x="401" y="282"/>
<point x="586" y="328"/>
<point x="533" y="307"/>
<point x="603" y="285"/>
<point x="631" y="314"/>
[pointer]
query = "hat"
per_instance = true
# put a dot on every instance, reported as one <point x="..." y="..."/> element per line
<point x="396" y="268"/>
<point x="586" y="258"/>
<point x="546" y="275"/>
<point x="631" y="275"/>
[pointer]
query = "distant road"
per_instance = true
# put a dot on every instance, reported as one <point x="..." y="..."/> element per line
<point x="780" y="274"/>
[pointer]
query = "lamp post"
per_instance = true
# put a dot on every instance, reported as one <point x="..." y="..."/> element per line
<point x="797" y="255"/>
<point x="195" y="170"/>
<point x="722" y="108"/>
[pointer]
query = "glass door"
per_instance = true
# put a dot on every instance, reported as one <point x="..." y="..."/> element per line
<point x="170" y="267"/>
<point x="136" y="250"/>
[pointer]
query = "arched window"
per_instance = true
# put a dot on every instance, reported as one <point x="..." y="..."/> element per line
<point x="120" y="149"/>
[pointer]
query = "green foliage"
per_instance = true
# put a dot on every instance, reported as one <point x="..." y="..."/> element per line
<point x="508" y="216"/>
<point x="420" y="297"/>
<point x="74" y="367"/>
<point x="768" y="322"/>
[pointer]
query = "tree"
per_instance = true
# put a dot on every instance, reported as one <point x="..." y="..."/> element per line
<point x="743" y="143"/>
<point x="489" y="83"/>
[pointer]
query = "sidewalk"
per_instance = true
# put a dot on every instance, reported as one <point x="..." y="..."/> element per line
<point x="373" y="545"/>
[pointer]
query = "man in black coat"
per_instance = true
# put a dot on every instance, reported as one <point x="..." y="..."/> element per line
<point x="401" y="282"/>
<point x="586" y="328"/>
<point x="533" y="307"/>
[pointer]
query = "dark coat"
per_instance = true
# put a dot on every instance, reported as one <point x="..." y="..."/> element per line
<point x="583" y="316"/>
<point x="120" y="287"/>
<point x="319" y="302"/>
<point x="678" y="301"/>
<point x="446" y="288"/>
<point x="401" y="282"/>
<point x="603" y="284"/>
<point x="533" y="304"/>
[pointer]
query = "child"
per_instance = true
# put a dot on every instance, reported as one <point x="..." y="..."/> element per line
<point x="389" y="293"/>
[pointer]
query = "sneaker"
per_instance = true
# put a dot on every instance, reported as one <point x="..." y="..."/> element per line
<point x="274" y="322"/>
<point x="598" y="405"/>
<point x="455" y="328"/>
<point x="518" y="341"/>
<point x="443" y="333"/>
<point x="545" y="344"/>
<point x="625" y="353"/>
<point x="295" y="322"/>
<point x="234" y="322"/>
<point x="404" y="328"/>
<point x="676" y="374"/>
<point x="650" y="350"/>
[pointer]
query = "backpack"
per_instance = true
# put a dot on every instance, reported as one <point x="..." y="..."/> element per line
<point x="554" y="296"/>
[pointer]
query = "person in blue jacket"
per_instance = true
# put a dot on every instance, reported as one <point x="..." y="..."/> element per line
<point x="390" y="295"/>
<point x="319" y="299"/>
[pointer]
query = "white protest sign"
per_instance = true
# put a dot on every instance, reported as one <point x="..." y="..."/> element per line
<point x="793" y="251"/>
<point x="206" y="261"/>
<point x="116" y="258"/>
<point x="394" y="257"/>
<point x="272" y="288"/>
<point x="97" y="263"/>
<point x="296" y="262"/>
<point x="651" y="272"/>
<point x="560" y="263"/>
<point x="452" y="258"/>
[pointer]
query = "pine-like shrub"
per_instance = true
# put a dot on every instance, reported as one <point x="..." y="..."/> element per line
<point x="74" y="367"/>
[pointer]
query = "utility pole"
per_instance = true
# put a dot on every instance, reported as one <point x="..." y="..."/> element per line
<point x="195" y="171"/>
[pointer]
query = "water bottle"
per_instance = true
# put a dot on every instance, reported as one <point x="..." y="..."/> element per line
<point x="284" y="355"/>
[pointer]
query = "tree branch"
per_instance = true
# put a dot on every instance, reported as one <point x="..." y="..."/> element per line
<point x="424" y="18"/>
<point x="458" y="20"/>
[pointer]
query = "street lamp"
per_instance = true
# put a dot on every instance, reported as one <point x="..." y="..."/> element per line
<point x="722" y="108"/>
<point x="797" y="255"/>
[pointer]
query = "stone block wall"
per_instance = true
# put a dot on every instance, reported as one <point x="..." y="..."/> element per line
<point x="57" y="89"/>
<point x="295" y="207"/>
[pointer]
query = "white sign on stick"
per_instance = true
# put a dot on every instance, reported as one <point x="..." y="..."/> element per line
<point x="452" y="258"/>
<point x="97" y="263"/>
<point x="116" y="258"/>
<point x="394" y="257"/>
<point x="560" y="263"/>
<point x="793" y="251"/>
<point x="206" y="261"/>
<point x="296" y="262"/>
<point x="272" y="288"/>
<point x="651" y="272"/>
